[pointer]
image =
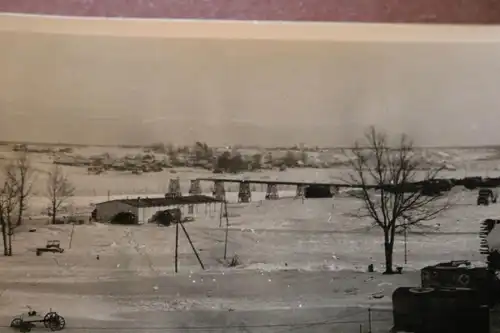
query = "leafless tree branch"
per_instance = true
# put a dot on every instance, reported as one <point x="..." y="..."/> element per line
<point x="9" y="200"/>
<point x="393" y="196"/>
<point x="59" y="190"/>
<point x="22" y="173"/>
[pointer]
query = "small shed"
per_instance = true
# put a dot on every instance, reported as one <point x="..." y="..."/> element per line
<point x="145" y="209"/>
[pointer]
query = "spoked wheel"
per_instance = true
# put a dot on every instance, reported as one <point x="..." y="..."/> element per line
<point x="53" y="321"/>
<point x="57" y="324"/>
<point x="61" y="323"/>
<point x="16" y="323"/>
<point x="50" y="316"/>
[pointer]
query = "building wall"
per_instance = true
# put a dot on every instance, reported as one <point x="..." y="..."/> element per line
<point x="106" y="210"/>
<point x="146" y="213"/>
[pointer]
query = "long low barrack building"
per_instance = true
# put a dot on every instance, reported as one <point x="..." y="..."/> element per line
<point x="146" y="208"/>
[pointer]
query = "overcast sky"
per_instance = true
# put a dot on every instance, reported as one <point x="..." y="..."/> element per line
<point x="109" y="90"/>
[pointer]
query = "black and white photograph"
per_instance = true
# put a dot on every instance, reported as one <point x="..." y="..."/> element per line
<point x="248" y="176"/>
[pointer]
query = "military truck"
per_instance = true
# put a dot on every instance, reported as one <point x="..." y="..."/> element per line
<point x="454" y="296"/>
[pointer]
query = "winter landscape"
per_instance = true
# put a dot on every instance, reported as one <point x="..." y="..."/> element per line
<point x="295" y="258"/>
<point x="130" y="105"/>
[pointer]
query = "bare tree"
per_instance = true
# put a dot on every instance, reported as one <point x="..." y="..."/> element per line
<point x="9" y="196"/>
<point x="59" y="190"/>
<point x="401" y="201"/>
<point x="3" y="224"/>
<point x="21" y="173"/>
<point x="3" y="220"/>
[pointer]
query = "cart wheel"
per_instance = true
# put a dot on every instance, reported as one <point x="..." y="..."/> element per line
<point x="54" y="322"/>
<point x="16" y="323"/>
<point x="49" y="318"/>
<point x="59" y="324"/>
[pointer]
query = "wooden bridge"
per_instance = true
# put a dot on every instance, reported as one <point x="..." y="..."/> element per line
<point x="244" y="193"/>
<point x="426" y="187"/>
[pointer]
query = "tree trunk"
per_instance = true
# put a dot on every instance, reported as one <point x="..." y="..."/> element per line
<point x="388" y="251"/>
<point x="54" y="212"/>
<point x="4" y="236"/>
<point x="10" y="231"/>
<point x="9" y="238"/>
<point x="21" y="211"/>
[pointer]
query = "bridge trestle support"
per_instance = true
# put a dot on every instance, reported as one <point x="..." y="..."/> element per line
<point x="272" y="192"/>
<point x="174" y="188"/>
<point x="244" y="192"/>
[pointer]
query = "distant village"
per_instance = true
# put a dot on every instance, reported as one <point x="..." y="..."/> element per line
<point x="158" y="157"/>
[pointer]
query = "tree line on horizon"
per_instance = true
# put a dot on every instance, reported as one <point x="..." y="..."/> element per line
<point x="230" y="160"/>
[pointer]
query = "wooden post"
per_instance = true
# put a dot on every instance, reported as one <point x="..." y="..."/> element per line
<point x="220" y="215"/>
<point x="192" y="246"/>
<point x="176" y="244"/>
<point x="369" y="320"/>
<point x="227" y="230"/>
<point x="406" y="244"/>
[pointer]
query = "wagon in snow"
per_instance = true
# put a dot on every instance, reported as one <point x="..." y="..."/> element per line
<point x="27" y="321"/>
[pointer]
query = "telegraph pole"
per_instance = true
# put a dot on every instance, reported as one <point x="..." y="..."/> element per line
<point x="405" y="235"/>
<point x="369" y="320"/>
<point x="227" y="229"/>
<point x="406" y="245"/>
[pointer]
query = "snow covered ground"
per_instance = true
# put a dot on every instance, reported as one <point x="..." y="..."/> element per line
<point x="303" y="264"/>
<point x="307" y="258"/>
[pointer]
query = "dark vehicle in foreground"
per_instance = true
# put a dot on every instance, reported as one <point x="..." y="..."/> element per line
<point x="453" y="297"/>
<point x="443" y="310"/>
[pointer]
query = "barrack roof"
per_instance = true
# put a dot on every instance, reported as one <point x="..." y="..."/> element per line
<point x="163" y="201"/>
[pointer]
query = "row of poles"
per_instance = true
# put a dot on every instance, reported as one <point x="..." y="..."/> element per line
<point x="223" y="213"/>
<point x="219" y="193"/>
<point x="174" y="190"/>
<point x="244" y="195"/>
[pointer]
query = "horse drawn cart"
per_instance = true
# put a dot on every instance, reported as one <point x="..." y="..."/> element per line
<point x="27" y="321"/>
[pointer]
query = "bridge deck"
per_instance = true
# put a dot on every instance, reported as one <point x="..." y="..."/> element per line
<point x="276" y="182"/>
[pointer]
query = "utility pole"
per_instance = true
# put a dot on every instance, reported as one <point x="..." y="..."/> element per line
<point x="176" y="257"/>
<point x="406" y="244"/>
<point x="405" y="238"/>
<point x="221" y="213"/>
<point x="369" y="320"/>
<point x="227" y="229"/>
